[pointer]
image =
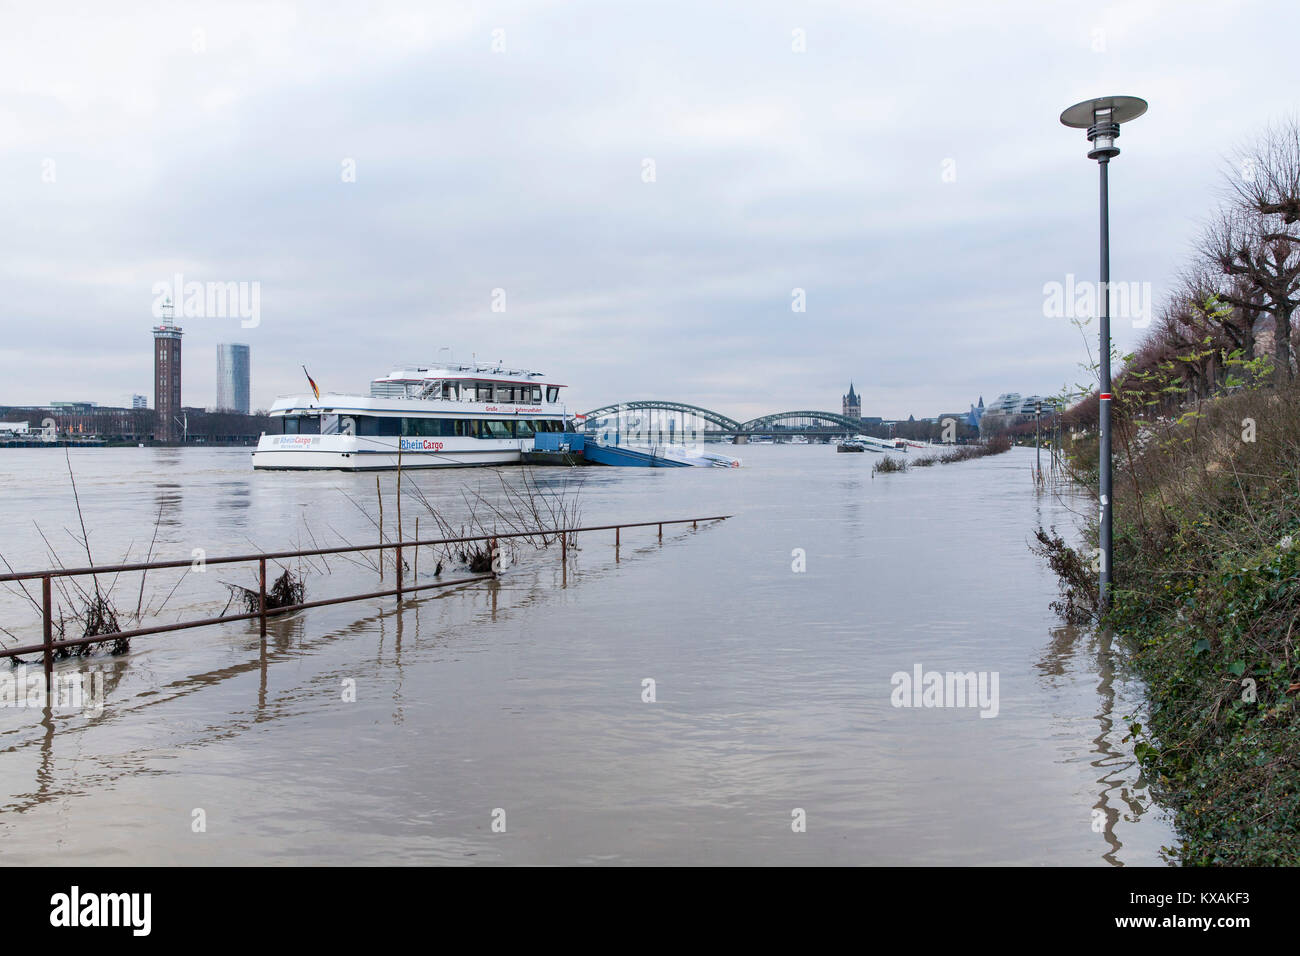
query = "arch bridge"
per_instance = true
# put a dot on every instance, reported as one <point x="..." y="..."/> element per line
<point x="801" y="422"/>
<point x="719" y="421"/>
<point x="666" y="419"/>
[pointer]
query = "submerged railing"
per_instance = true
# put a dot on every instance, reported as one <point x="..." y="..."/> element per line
<point x="48" y="645"/>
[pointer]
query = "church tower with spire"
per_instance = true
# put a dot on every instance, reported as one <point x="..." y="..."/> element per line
<point x="852" y="404"/>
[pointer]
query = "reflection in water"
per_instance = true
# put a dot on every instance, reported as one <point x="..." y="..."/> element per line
<point x="1121" y="778"/>
<point x="234" y="498"/>
<point x="167" y="496"/>
<point x="53" y="723"/>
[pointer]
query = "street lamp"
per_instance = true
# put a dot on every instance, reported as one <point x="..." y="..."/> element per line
<point x="1038" y="449"/>
<point x="1102" y="117"/>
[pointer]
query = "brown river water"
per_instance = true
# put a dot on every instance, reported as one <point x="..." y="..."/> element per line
<point x="506" y="722"/>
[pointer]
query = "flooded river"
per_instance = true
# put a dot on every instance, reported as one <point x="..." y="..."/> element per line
<point x="512" y="721"/>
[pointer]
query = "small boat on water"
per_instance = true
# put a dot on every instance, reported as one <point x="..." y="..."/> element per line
<point x="849" y="445"/>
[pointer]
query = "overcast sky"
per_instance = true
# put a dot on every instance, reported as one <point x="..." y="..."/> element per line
<point x="214" y="140"/>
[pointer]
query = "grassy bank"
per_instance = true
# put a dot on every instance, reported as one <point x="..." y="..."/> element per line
<point x="1206" y="600"/>
<point x="1206" y="508"/>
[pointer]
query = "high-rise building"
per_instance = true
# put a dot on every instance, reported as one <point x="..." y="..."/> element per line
<point x="167" y="376"/>
<point x="139" y="401"/>
<point x="233" y="378"/>
<point x="852" y="404"/>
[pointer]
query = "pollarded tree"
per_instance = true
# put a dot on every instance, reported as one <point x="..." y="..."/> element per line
<point x="1267" y="177"/>
<point x="1262" y="254"/>
<point x="1256" y="240"/>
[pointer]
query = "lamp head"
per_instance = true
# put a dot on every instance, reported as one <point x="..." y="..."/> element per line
<point x="1101" y="118"/>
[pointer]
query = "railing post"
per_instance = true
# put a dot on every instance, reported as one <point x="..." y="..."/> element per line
<point x="661" y="531"/>
<point x="47" y="627"/>
<point x="261" y="592"/>
<point x="616" y="534"/>
<point x="564" y="547"/>
<point x="399" y="573"/>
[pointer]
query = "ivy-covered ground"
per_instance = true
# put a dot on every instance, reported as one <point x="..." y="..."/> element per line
<point x="1206" y="601"/>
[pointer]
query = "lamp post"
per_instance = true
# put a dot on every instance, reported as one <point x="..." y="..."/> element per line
<point x="1038" y="448"/>
<point x="1101" y="117"/>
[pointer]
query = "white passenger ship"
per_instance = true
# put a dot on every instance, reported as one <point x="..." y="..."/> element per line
<point x="434" y="417"/>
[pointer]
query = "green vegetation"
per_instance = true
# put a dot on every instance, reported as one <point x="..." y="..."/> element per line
<point x="1206" y="595"/>
<point x="1206" y="600"/>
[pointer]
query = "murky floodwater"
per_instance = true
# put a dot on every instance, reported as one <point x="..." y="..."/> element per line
<point x="773" y="687"/>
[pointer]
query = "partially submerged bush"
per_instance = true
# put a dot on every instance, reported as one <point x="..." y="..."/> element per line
<point x="888" y="464"/>
<point x="288" y="590"/>
<point x="97" y="616"/>
<point x="996" y="445"/>
<point x="477" y="556"/>
<point x="1078" y="581"/>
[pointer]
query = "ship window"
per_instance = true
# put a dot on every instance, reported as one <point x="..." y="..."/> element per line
<point x="484" y="391"/>
<point x="372" y="426"/>
<point x="302" y="425"/>
<point x="524" y="428"/>
<point x="552" y="393"/>
<point x="535" y="395"/>
<point x="466" y="428"/>
<point x="498" y="429"/>
<point x="427" y="427"/>
<point x="505" y="393"/>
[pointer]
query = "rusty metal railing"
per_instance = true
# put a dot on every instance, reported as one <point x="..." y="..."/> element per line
<point x="48" y="645"/>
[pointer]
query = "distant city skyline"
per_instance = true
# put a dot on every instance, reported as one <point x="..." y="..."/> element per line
<point x="672" y="202"/>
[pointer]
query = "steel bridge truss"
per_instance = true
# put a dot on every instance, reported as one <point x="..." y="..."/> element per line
<point x="679" y="418"/>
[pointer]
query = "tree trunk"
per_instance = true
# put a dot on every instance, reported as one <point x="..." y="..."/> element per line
<point x="1282" y="345"/>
